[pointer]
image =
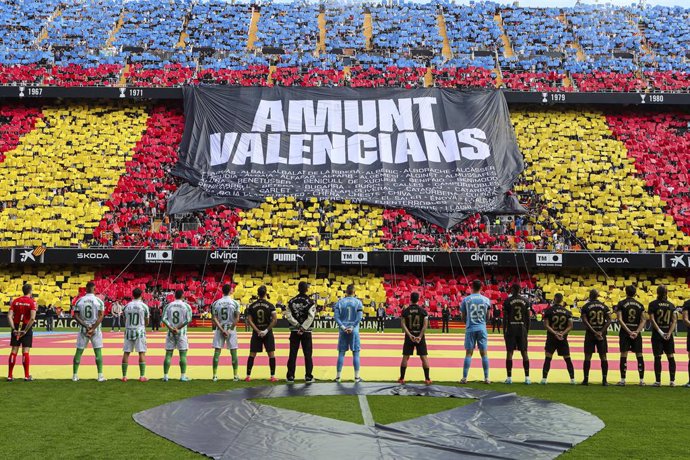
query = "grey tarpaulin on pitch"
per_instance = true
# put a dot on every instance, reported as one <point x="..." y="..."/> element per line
<point x="498" y="425"/>
<point x="441" y="153"/>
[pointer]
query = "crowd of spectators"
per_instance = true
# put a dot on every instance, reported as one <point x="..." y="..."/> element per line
<point x="144" y="43"/>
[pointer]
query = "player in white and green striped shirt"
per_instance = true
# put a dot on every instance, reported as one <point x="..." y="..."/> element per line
<point x="176" y="316"/>
<point x="89" y="312"/>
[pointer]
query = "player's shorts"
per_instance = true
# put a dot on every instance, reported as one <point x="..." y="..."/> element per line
<point x="348" y="341"/>
<point x="176" y="342"/>
<point x="257" y="344"/>
<point x="625" y="343"/>
<point x="26" y="341"/>
<point x="554" y="345"/>
<point x="479" y="339"/>
<point x="220" y="341"/>
<point x="662" y="347"/>
<point x="515" y="338"/>
<point x="592" y="344"/>
<point x="409" y="346"/>
<point x="96" y="339"/>
<point x="134" y="341"/>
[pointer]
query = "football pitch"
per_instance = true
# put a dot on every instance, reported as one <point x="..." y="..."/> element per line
<point x="86" y="419"/>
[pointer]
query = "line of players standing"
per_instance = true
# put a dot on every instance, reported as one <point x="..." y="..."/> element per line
<point x="301" y="310"/>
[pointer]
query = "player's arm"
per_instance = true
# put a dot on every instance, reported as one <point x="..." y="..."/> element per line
<point x="671" y="328"/>
<point x="643" y="322"/>
<point x="310" y="317"/>
<point x="359" y="316"/>
<point x="463" y="316"/>
<point x="164" y="318"/>
<point x="686" y="318"/>
<point x="101" y="315"/>
<point x="403" y="322"/>
<point x="10" y="320"/>
<point x="586" y="321"/>
<point x="214" y="317"/>
<point x="605" y="329"/>
<point x="147" y="315"/>
<point x="251" y="323"/>
<point x="547" y="325"/>
<point x="188" y="316"/>
<point x="336" y="314"/>
<point x="32" y="320"/>
<point x="621" y="323"/>
<point x="288" y="315"/>
<point x="236" y="315"/>
<point x="654" y="324"/>
<point x="274" y="320"/>
<point x="424" y="326"/>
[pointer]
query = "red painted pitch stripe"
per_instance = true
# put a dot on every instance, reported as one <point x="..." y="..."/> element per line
<point x="535" y="364"/>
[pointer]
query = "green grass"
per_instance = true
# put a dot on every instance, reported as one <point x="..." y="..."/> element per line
<point x="384" y="409"/>
<point x="91" y="420"/>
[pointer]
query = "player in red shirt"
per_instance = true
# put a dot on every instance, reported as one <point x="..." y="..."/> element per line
<point x="21" y="317"/>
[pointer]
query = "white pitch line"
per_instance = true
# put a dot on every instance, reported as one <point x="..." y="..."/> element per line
<point x="366" y="411"/>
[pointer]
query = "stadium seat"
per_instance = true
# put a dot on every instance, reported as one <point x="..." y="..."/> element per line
<point x="73" y="158"/>
<point x="590" y="184"/>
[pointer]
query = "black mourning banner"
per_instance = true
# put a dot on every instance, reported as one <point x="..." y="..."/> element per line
<point x="440" y="153"/>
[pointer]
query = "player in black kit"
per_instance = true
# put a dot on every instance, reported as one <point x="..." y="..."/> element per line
<point x="596" y="316"/>
<point x="300" y="313"/>
<point x="686" y="320"/>
<point x="262" y="316"/>
<point x="632" y="320"/>
<point x="414" y="323"/>
<point x="558" y="322"/>
<point x="516" y="317"/>
<point x="662" y="315"/>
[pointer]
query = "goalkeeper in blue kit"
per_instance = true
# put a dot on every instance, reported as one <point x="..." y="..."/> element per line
<point x="474" y="308"/>
<point x="348" y="314"/>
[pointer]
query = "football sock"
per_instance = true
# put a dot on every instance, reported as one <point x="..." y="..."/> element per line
<point x="509" y="367"/>
<point x="339" y="364"/>
<point x="525" y="366"/>
<point x="672" y="368"/>
<point x="485" y="366"/>
<point x="546" y="368"/>
<point x="403" y="369"/>
<point x="216" y="358"/>
<point x="250" y="364"/>
<point x="426" y="373"/>
<point x="657" y="368"/>
<point x="571" y="368"/>
<point x="623" y="367"/>
<point x="640" y="366"/>
<point x="77" y="360"/>
<point x="166" y="361"/>
<point x="235" y="361"/>
<point x="604" y="369"/>
<point x="142" y="368"/>
<point x="585" y="368"/>
<point x="466" y="366"/>
<point x="99" y="359"/>
<point x="272" y="365"/>
<point x="355" y="362"/>
<point x="10" y="365"/>
<point x="125" y="365"/>
<point x="26" y="361"/>
<point x="183" y="361"/>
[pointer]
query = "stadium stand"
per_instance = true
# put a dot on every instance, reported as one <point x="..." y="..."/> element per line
<point x="585" y="175"/>
<point x="660" y="146"/>
<point x="85" y="143"/>
<point x="575" y="287"/>
<point x="292" y="224"/>
<point x="55" y="286"/>
<point x="585" y="48"/>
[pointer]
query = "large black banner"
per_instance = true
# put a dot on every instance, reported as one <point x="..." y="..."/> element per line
<point x="442" y="152"/>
